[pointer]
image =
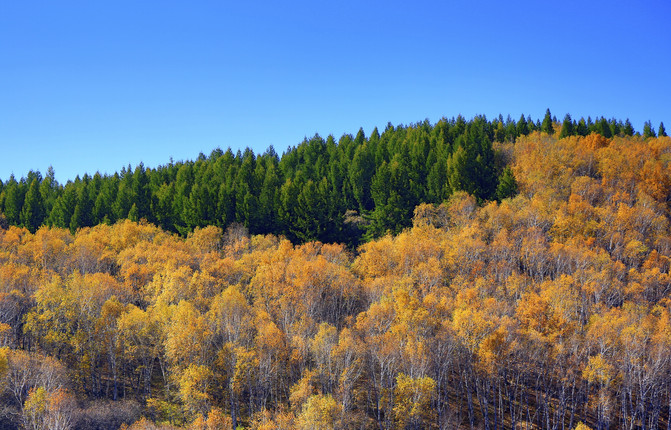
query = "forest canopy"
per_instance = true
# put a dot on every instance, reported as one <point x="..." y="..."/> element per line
<point x="357" y="187"/>
<point x="533" y="294"/>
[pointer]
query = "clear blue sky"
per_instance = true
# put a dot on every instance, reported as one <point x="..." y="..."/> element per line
<point x="90" y="86"/>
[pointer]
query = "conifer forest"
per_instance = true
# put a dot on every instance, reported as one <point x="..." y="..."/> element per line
<point x="463" y="274"/>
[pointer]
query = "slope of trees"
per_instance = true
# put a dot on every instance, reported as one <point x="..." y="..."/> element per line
<point x="322" y="189"/>
<point x="544" y="310"/>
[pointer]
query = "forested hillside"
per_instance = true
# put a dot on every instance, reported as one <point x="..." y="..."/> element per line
<point x="543" y="306"/>
<point x="322" y="189"/>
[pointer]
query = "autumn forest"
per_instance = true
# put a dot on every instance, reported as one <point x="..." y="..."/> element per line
<point x="467" y="274"/>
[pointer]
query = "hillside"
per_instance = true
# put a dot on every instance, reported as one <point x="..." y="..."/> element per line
<point x="544" y="307"/>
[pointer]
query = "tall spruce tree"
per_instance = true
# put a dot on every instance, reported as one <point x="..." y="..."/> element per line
<point x="507" y="186"/>
<point x="567" y="127"/>
<point x="32" y="213"/>
<point x="547" y="125"/>
<point x="49" y="189"/>
<point x="661" y="132"/>
<point x="648" y="131"/>
<point x="604" y="128"/>
<point x="12" y="201"/>
<point x="581" y="129"/>
<point x="628" y="129"/>
<point x="522" y="126"/>
<point x="82" y="215"/>
<point x="61" y="213"/>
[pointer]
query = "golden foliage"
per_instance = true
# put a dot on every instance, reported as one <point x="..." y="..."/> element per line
<point x="560" y="294"/>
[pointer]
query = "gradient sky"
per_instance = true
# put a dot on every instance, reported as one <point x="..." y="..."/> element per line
<point x="90" y="86"/>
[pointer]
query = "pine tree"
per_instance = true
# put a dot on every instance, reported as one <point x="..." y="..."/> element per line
<point x="547" y="125"/>
<point x="49" y="190"/>
<point x="511" y="131"/>
<point x="615" y="128"/>
<point x="648" y="131"/>
<point x="32" y="213"/>
<point x="287" y="209"/>
<point x="163" y="210"/>
<point x="394" y="201"/>
<point x="590" y="125"/>
<point x="567" y="127"/>
<point x="183" y="183"/>
<point x="133" y="213"/>
<point x="61" y="213"/>
<point x="628" y="129"/>
<point x="533" y="126"/>
<point x="581" y="129"/>
<point x="604" y="128"/>
<point x="124" y="195"/>
<point x="102" y="205"/>
<point x="662" y="131"/>
<point x="458" y="166"/>
<point x="141" y="192"/>
<point x="310" y="213"/>
<point x="81" y="217"/>
<point x="13" y="201"/>
<point x="507" y="186"/>
<point x="361" y="171"/>
<point x="269" y="198"/>
<point x="225" y="204"/>
<point x="438" y="187"/>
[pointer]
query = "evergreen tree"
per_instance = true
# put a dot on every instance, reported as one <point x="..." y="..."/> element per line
<point x="287" y="208"/>
<point x="269" y="198"/>
<point x="133" y="213"/>
<point x="628" y="129"/>
<point x="581" y="129"/>
<point x="393" y="201"/>
<point x="507" y="186"/>
<point x="361" y="174"/>
<point x="49" y="190"/>
<point x="32" y="213"/>
<point x="225" y="205"/>
<point x="661" y="131"/>
<point x="141" y="194"/>
<point x="437" y="183"/>
<point x="615" y="128"/>
<point x="201" y="209"/>
<point x="310" y="212"/>
<point x="63" y="208"/>
<point x="604" y="128"/>
<point x="458" y="167"/>
<point x="567" y="127"/>
<point x="81" y="217"/>
<point x="511" y="131"/>
<point x="500" y="132"/>
<point x="124" y="197"/>
<point x="648" y="131"/>
<point x="13" y="201"/>
<point x="102" y="206"/>
<point x="522" y="126"/>
<point x="183" y="184"/>
<point x="163" y="211"/>
<point x="547" y="125"/>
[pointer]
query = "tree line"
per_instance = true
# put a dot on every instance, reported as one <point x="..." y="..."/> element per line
<point x="358" y="187"/>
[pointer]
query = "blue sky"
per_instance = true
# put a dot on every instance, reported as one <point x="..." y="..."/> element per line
<point x="90" y="86"/>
